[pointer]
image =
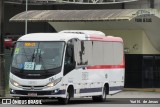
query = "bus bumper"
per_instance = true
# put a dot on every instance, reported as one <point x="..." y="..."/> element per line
<point x="24" y="93"/>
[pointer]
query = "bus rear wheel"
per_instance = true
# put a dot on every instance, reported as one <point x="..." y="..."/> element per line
<point x="100" y="98"/>
<point x="64" y="100"/>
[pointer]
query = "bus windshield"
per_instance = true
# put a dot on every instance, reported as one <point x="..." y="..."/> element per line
<point x="38" y="55"/>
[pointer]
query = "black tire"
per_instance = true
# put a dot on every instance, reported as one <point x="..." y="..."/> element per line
<point x="64" y="100"/>
<point x="100" y="98"/>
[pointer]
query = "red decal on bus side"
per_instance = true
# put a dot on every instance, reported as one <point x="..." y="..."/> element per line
<point x="106" y="67"/>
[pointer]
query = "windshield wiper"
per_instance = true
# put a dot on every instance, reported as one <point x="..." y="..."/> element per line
<point x="25" y="54"/>
<point x="40" y="58"/>
<point x="33" y="55"/>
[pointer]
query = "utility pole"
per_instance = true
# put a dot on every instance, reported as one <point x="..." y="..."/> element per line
<point x="26" y="24"/>
<point x="152" y="3"/>
<point x="2" y="71"/>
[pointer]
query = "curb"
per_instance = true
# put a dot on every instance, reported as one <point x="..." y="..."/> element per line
<point x="143" y="89"/>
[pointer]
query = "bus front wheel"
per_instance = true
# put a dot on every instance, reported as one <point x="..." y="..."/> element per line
<point x="64" y="100"/>
<point x="100" y="98"/>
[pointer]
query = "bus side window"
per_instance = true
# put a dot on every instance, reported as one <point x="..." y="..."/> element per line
<point x="69" y="63"/>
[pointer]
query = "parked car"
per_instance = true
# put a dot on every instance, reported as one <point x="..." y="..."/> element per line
<point x="8" y="43"/>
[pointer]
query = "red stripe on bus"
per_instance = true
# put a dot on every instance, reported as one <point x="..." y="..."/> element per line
<point x="106" y="67"/>
<point x="105" y="38"/>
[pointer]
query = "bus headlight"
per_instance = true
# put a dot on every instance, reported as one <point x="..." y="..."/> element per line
<point x="14" y="83"/>
<point x="53" y="83"/>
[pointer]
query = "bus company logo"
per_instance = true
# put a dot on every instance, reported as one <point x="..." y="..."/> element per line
<point x="85" y="75"/>
<point x="6" y="101"/>
<point x="32" y="87"/>
<point x="106" y="75"/>
<point x="51" y="79"/>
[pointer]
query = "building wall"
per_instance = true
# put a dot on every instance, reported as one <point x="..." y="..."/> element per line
<point x="138" y="4"/>
<point x="135" y="40"/>
<point x="147" y="46"/>
<point x="87" y="6"/>
<point x="157" y="4"/>
<point x="143" y="4"/>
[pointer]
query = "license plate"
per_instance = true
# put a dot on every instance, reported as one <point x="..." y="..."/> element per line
<point x="32" y="94"/>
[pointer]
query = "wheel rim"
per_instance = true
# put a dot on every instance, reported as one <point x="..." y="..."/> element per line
<point x="67" y="97"/>
<point x="104" y="94"/>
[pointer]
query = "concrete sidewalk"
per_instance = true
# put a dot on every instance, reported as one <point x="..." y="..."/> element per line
<point x="143" y="89"/>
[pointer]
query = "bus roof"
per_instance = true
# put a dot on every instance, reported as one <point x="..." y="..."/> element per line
<point x="51" y="37"/>
<point x="61" y="36"/>
<point x="87" y="32"/>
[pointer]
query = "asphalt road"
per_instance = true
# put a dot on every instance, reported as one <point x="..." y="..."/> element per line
<point x="123" y="99"/>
